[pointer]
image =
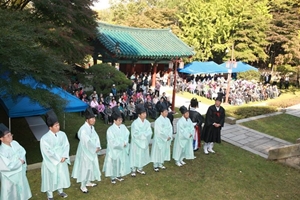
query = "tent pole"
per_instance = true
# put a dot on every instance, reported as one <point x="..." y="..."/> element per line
<point x="64" y="121"/>
<point x="9" y="124"/>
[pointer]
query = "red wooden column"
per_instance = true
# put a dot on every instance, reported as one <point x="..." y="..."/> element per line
<point x="154" y="75"/>
<point x="174" y="85"/>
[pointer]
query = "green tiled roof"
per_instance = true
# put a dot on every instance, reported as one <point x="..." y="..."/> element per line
<point x="141" y="43"/>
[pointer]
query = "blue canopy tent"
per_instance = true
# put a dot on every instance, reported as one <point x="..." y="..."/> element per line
<point x="23" y="106"/>
<point x="240" y="67"/>
<point x="197" y="67"/>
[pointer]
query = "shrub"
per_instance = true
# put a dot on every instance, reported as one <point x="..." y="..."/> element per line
<point x="249" y="75"/>
<point x="249" y="111"/>
<point x="284" y="103"/>
<point x="103" y="76"/>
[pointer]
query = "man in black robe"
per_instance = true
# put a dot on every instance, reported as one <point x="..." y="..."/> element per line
<point x="214" y="121"/>
<point x="197" y="120"/>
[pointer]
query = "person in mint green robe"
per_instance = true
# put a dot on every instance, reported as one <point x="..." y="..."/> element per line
<point x="86" y="166"/>
<point x="183" y="143"/>
<point x="55" y="149"/>
<point x="141" y="133"/>
<point x="14" y="183"/>
<point x="163" y="131"/>
<point x="116" y="162"/>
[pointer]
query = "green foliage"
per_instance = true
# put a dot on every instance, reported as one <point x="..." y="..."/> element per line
<point x="145" y="14"/>
<point x="22" y="56"/>
<point x="284" y="32"/>
<point x="249" y="75"/>
<point x="213" y="26"/>
<point x="43" y="39"/>
<point x="103" y="76"/>
<point x="286" y="69"/>
<point x="249" y="111"/>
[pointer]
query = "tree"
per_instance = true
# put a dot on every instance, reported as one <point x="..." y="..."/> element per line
<point x="43" y="39"/>
<point x="283" y="36"/>
<point x="146" y="14"/>
<point x="213" y="26"/>
<point x="103" y="76"/>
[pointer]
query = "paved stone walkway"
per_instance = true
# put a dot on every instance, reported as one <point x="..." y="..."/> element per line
<point x="252" y="140"/>
<point x="243" y="137"/>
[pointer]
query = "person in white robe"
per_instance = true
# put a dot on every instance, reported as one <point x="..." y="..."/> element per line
<point x="141" y="133"/>
<point x="14" y="183"/>
<point x="116" y="162"/>
<point x="55" y="149"/>
<point x="163" y="131"/>
<point x="183" y="143"/>
<point x="86" y="166"/>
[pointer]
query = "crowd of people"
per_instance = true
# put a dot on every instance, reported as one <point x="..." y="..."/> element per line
<point x="122" y="158"/>
<point x="210" y="86"/>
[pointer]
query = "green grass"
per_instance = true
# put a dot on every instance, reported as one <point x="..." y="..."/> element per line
<point x="283" y="126"/>
<point x="231" y="173"/>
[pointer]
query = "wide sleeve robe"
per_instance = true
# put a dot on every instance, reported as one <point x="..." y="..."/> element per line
<point x="14" y="183"/>
<point x="116" y="162"/>
<point x="160" y="151"/>
<point x="183" y="143"/>
<point x="86" y="165"/>
<point x="141" y="133"/>
<point x="210" y="132"/>
<point x="55" y="174"/>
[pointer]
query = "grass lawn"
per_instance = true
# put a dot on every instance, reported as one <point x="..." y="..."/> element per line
<point x="231" y="173"/>
<point x="283" y="126"/>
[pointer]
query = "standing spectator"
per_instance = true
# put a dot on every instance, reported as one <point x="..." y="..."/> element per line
<point x="141" y="133"/>
<point x="157" y="88"/>
<point x="183" y="143"/>
<point x="163" y="131"/>
<point x="14" y="183"/>
<point x="116" y="162"/>
<point x="86" y="165"/>
<point x="286" y="82"/>
<point x="55" y="149"/>
<point x="114" y="90"/>
<point x="214" y="121"/>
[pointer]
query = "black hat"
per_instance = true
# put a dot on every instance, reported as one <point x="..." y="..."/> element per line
<point x="183" y="109"/>
<point x="194" y="103"/>
<point x="219" y="98"/>
<point x="139" y="109"/>
<point x="116" y="114"/>
<point x="88" y="113"/>
<point x="161" y="107"/>
<point x="3" y="130"/>
<point x="51" y="118"/>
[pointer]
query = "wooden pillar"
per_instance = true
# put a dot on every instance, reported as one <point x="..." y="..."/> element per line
<point x="174" y="86"/>
<point x="154" y="75"/>
<point x="133" y="68"/>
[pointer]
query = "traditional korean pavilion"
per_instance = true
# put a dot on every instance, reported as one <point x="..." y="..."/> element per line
<point x="138" y="49"/>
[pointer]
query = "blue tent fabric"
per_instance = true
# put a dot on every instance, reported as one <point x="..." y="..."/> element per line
<point x="23" y="106"/>
<point x="197" y="67"/>
<point x="240" y="67"/>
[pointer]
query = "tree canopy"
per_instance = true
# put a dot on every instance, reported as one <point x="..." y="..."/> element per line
<point x="262" y="31"/>
<point x="43" y="39"/>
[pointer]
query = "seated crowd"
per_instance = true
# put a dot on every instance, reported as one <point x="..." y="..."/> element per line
<point x="126" y="102"/>
<point x="139" y="92"/>
<point x="241" y="91"/>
